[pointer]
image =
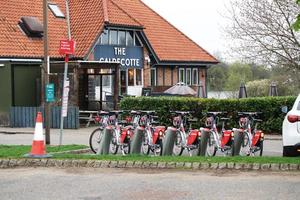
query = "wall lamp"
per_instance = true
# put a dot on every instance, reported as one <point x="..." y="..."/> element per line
<point x="2" y="65"/>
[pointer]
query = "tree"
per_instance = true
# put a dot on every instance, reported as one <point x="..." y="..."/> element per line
<point x="258" y="88"/>
<point x="217" y="77"/>
<point x="238" y="73"/>
<point x="262" y="32"/>
<point x="296" y="25"/>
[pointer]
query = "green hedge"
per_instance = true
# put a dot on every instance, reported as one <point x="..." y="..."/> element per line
<point x="269" y="106"/>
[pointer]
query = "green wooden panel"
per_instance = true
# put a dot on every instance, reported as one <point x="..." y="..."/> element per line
<point x="25" y="86"/>
<point x="5" y="88"/>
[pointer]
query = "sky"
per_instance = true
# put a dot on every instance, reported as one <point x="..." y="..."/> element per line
<point x="201" y="20"/>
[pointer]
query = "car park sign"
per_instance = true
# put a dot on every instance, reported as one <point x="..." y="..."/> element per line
<point x="67" y="47"/>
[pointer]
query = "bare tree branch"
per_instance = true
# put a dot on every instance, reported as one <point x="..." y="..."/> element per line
<point x="261" y="31"/>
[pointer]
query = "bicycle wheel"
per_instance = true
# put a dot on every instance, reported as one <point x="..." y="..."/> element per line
<point x="178" y="148"/>
<point x="113" y="147"/>
<point x="95" y="139"/>
<point x="126" y="148"/>
<point x="145" y="144"/>
<point x="260" y="148"/>
<point x="158" y="148"/>
<point x="211" y="149"/>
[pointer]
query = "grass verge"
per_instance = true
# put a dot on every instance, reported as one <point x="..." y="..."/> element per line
<point x="18" y="151"/>
<point x="237" y="159"/>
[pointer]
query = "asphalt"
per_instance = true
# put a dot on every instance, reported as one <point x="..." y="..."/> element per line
<point x="86" y="131"/>
<point x="100" y="184"/>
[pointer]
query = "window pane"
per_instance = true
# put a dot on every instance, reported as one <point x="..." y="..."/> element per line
<point x="195" y="76"/>
<point x="188" y="76"/>
<point x="153" y="77"/>
<point x="122" y="38"/>
<point x="56" y="10"/>
<point x="104" y="37"/>
<point x="129" y="38"/>
<point x="130" y="77"/>
<point x="136" y="39"/>
<point x="181" y="75"/>
<point x="113" y="37"/>
<point x="138" y="77"/>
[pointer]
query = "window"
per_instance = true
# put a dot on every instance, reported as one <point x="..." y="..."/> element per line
<point x="119" y="37"/>
<point x="122" y="38"/>
<point x="188" y="77"/>
<point x="153" y="77"/>
<point x="104" y="37"/>
<point x="130" y="77"/>
<point x="137" y="40"/>
<point x="138" y="77"/>
<point x="181" y="75"/>
<point x="56" y="11"/>
<point x="298" y="107"/>
<point x="195" y="76"/>
<point x="113" y="37"/>
<point x="129" y="38"/>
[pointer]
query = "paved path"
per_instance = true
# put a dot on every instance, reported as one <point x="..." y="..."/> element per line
<point x="272" y="145"/>
<point x="101" y="184"/>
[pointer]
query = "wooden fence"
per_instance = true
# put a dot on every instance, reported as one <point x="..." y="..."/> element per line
<point x="21" y="117"/>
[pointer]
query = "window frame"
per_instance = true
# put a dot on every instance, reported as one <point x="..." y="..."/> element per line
<point x="197" y="77"/>
<point x="55" y="9"/>
<point x="188" y="73"/>
<point x="155" y="77"/>
<point x="179" y="73"/>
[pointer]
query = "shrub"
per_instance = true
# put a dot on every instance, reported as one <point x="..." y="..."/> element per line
<point x="269" y="106"/>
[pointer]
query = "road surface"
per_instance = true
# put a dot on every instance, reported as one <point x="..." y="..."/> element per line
<point x="101" y="184"/>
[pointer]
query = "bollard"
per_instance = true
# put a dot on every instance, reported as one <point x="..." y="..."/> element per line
<point x="136" y="142"/>
<point x="105" y="141"/>
<point x="169" y="141"/>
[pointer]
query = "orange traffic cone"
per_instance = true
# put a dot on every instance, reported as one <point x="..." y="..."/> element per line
<point x="38" y="145"/>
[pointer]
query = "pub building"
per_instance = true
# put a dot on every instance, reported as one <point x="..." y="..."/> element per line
<point x="121" y="42"/>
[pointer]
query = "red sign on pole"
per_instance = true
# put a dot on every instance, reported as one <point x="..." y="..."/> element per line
<point x="67" y="47"/>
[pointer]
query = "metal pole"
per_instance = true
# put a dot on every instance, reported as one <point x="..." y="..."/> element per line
<point x="65" y="73"/>
<point x="46" y="73"/>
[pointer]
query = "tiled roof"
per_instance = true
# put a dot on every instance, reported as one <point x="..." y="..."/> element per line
<point x="169" y="43"/>
<point x="87" y="21"/>
<point x="15" y="43"/>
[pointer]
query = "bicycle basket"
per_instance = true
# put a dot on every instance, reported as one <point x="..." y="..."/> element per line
<point x="111" y="119"/>
<point x="209" y="121"/>
<point x="143" y="121"/>
<point x="243" y="122"/>
<point x="176" y="121"/>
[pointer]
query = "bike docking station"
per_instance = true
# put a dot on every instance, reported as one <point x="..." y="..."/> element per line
<point x="105" y="141"/>
<point x="169" y="142"/>
<point x="136" y="143"/>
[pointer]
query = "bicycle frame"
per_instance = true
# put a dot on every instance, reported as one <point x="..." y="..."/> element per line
<point x="254" y="135"/>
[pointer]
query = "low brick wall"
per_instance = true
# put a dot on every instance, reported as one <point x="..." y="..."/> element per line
<point x="21" y="163"/>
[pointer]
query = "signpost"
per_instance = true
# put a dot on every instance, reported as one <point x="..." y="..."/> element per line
<point x="67" y="47"/>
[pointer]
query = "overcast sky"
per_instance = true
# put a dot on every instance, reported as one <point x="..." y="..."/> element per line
<point x="201" y="20"/>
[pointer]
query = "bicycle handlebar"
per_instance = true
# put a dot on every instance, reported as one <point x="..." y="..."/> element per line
<point x="182" y="112"/>
<point x="215" y="113"/>
<point x="249" y="113"/>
